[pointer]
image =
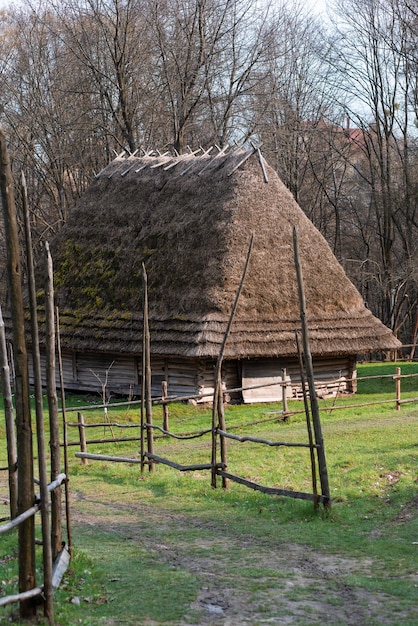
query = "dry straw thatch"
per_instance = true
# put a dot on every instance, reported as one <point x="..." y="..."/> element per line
<point x="190" y="219"/>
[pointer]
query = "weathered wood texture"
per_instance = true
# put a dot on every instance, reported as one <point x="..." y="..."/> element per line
<point x="52" y="376"/>
<point x="194" y="377"/>
<point x="27" y="570"/>
<point x="271" y="490"/>
<point x="47" y="557"/>
<point x="9" y="419"/>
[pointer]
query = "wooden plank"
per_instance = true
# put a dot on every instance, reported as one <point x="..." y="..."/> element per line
<point x="271" y="490"/>
<point x="60" y="566"/>
<point x="258" y="371"/>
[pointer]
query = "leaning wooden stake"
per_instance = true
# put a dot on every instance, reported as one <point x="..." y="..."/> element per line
<point x="217" y="409"/>
<point x="146" y="373"/>
<point x="65" y="439"/>
<point x="322" y="463"/>
<point x="308" y="422"/>
<point x="26" y="495"/>
<point x="164" y="394"/>
<point x="40" y="431"/>
<point x="82" y="437"/>
<point x="398" y="388"/>
<point x="54" y="442"/>
<point x="9" y="419"/>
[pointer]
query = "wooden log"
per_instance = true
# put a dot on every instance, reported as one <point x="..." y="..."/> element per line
<point x="189" y="167"/>
<point x="266" y="442"/>
<point x="122" y="164"/>
<point x="59" y="568"/>
<point x="263" y="168"/>
<point x="106" y="457"/>
<point x="65" y="439"/>
<point x="17" y="521"/>
<point x="217" y="378"/>
<point x="21" y="597"/>
<point x="397" y="379"/>
<point x="27" y="566"/>
<point x="248" y="154"/>
<point x="9" y="419"/>
<point x="40" y="430"/>
<point x="322" y="463"/>
<point x="118" y="156"/>
<point x="165" y="405"/>
<point x="147" y="382"/>
<point x="182" y="468"/>
<point x="30" y="512"/>
<point x="308" y="422"/>
<point x="271" y="490"/>
<point x="210" y="163"/>
<point x="284" y="390"/>
<point x="82" y="437"/>
<point x="54" y="437"/>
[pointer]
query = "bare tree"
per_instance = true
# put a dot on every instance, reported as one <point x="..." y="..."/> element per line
<point x="374" y="71"/>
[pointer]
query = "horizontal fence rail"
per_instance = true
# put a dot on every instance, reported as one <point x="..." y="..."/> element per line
<point x="82" y="442"/>
<point x="62" y="559"/>
<point x="265" y="441"/>
<point x="178" y="466"/>
<point x="300" y="495"/>
<point x="220" y="469"/>
<point x="157" y="400"/>
<point x="4" y="528"/>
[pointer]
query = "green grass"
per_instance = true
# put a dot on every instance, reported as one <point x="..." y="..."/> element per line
<point x="147" y="547"/>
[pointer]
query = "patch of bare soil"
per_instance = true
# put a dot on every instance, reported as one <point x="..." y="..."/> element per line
<point x="243" y="579"/>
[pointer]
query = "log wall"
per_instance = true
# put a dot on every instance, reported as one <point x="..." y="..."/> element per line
<point x="86" y="372"/>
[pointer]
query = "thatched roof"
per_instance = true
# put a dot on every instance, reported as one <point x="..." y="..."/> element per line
<point x="190" y="219"/>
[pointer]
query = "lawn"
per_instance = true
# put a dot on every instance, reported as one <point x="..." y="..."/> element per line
<point x="164" y="547"/>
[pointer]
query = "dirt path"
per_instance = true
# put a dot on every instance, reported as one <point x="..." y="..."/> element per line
<point x="298" y="585"/>
<point x="243" y="579"/>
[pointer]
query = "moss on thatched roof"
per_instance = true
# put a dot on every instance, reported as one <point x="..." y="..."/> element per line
<point x="189" y="220"/>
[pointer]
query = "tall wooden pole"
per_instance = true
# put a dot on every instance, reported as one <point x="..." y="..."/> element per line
<point x="322" y="463"/>
<point x="308" y="422"/>
<point x="218" y="416"/>
<point x="40" y="431"/>
<point x="9" y="419"/>
<point x="65" y="438"/>
<point x="51" y="384"/>
<point x="146" y="373"/>
<point x="26" y="495"/>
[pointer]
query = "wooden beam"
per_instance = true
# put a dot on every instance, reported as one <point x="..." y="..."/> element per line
<point x="181" y="468"/>
<point x="271" y="490"/>
<point x="105" y="457"/>
<point x="27" y="565"/>
<point x="319" y="440"/>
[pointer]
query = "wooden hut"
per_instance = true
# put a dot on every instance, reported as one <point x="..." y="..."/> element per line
<point x="189" y="219"/>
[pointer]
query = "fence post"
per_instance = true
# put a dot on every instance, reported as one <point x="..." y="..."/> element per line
<point x="165" y="404"/>
<point x="398" y="388"/>
<point x="9" y="418"/>
<point x="284" y="391"/>
<point x="82" y="435"/>
<point x="26" y="495"/>
<point x="316" y="421"/>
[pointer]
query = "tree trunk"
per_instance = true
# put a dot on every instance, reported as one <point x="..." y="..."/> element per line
<point x="26" y="496"/>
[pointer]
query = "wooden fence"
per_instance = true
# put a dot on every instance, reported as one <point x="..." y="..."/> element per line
<point x="60" y="564"/>
<point x="219" y="468"/>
